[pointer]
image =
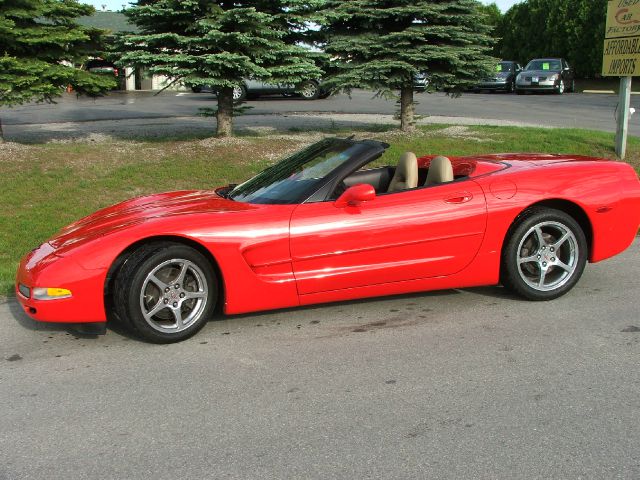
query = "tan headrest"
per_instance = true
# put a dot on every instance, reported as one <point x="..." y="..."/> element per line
<point x="440" y="171"/>
<point x="406" y="175"/>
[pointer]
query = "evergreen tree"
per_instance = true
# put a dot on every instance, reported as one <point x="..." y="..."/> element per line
<point x="36" y="36"/>
<point x="383" y="44"/>
<point x="220" y="43"/>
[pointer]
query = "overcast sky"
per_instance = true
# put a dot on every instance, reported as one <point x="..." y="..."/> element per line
<point x="118" y="4"/>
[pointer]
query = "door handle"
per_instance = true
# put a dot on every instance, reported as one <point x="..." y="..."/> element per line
<point x="460" y="197"/>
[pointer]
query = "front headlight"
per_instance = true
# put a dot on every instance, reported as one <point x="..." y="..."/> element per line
<point x="554" y="77"/>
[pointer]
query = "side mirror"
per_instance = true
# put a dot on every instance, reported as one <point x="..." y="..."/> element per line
<point x="354" y="196"/>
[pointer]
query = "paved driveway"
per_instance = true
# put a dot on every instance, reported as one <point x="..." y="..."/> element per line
<point x="142" y="114"/>
<point x="455" y="384"/>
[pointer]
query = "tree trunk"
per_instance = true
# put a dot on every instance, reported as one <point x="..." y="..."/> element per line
<point x="407" y="111"/>
<point x="1" y="132"/>
<point x="225" y="112"/>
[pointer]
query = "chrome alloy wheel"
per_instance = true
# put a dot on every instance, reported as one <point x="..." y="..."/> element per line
<point x="309" y="90"/>
<point x="237" y="93"/>
<point x="547" y="256"/>
<point x="174" y="296"/>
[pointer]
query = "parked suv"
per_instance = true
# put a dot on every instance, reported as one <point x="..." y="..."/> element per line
<point x="550" y="74"/>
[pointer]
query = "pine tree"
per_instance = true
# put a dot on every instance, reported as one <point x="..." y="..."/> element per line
<point x="383" y="44"/>
<point x="36" y="36"/>
<point x="220" y="43"/>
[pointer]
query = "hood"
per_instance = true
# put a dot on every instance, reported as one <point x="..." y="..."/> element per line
<point x="143" y="209"/>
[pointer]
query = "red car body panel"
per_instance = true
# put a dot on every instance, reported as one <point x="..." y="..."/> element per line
<point x="277" y="256"/>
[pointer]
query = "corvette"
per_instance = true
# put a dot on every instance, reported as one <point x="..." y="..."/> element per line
<point x="338" y="220"/>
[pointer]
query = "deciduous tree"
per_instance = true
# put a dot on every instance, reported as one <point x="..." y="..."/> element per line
<point x="573" y="29"/>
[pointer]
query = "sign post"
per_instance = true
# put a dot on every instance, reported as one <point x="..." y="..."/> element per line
<point x="622" y="59"/>
<point x="624" y="104"/>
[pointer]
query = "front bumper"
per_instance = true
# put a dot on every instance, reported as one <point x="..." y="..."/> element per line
<point x="545" y="85"/>
<point x="42" y="268"/>
<point x="493" y="86"/>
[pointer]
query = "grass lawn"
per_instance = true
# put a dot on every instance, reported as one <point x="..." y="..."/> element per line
<point x="44" y="187"/>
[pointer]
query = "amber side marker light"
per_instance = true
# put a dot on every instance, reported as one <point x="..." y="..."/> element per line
<point x="41" y="293"/>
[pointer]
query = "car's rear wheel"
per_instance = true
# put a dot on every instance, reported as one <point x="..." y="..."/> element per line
<point x="166" y="292"/>
<point x="544" y="255"/>
<point x="309" y="90"/>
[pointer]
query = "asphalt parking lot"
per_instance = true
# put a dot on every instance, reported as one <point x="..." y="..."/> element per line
<point x="455" y="384"/>
<point x="141" y="114"/>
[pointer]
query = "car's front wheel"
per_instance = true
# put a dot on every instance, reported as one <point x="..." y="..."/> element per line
<point x="544" y="255"/>
<point x="166" y="292"/>
<point x="309" y="90"/>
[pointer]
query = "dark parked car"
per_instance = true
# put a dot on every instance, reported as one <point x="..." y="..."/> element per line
<point x="98" y="65"/>
<point x="503" y="79"/>
<point x="421" y="81"/>
<point x="309" y="90"/>
<point x="550" y="74"/>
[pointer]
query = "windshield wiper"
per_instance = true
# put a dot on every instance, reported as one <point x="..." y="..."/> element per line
<point x="225" y="192"/>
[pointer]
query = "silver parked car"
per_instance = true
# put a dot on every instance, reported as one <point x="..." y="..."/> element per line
<point x="546" y="74"/>
<point x="309" y="90"/>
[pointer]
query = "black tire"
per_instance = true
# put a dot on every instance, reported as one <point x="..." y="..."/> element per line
<point x="561" y="262"/>
<point x="196" y="89"/>
<point x="309" y="90"/>
<point x="199" y="279"/>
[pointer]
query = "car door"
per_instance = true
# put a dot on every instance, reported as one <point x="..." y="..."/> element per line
<point x="419" y="233"/>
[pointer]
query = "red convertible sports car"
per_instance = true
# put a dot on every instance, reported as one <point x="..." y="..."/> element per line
<point x="335" y="222"/>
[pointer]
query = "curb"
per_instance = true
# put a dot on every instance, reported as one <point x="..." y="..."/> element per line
<point x="608" y="92"/>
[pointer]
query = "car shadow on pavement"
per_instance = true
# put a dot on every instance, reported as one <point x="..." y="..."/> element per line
<point x="74" y="329"/>
<point x="495" y="292"/>
<point x="116" y="327"/>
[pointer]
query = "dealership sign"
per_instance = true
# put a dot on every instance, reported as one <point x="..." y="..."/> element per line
<point x="622" y="39"/>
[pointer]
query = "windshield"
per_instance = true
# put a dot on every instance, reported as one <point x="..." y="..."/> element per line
<point x="504" y="67"/>
<point x="295" y="178"/>
<point x="544" y="65"/>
